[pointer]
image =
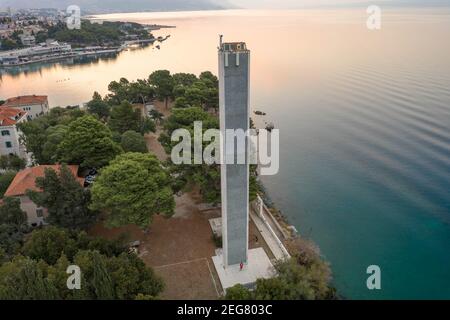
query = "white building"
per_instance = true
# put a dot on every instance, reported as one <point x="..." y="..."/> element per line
<point x="9" y="133"/>
<point x="28" y="40"/>
<point x="48" y="50"/>
<point x="33" y="105"/>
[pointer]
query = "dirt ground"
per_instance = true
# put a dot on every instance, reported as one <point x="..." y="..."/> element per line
<point x="151" y="138"/>
<point x="154" y="146"/>
<point x="180" y="248"/>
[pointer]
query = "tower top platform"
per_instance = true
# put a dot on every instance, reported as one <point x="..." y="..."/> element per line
<point x="233" y="47"/>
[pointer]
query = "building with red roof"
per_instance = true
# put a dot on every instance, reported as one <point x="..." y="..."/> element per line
<point x="9" y="133"/>
<point x="33" y="105"/>
<point x="26" y="180"/>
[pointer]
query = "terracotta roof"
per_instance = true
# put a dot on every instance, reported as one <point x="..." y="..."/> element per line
<point x="9" y="116"/>
<point x="26" y="178"/>
<point x="25" y="100"/>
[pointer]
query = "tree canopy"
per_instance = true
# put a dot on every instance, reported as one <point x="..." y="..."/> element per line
<point x="12" y="162"/>
<point x="35" y="133"/>
<point x="133" y="142"/>
<point x="12" y="227"/>
<point x="108" y="272"/>
<point x="66" y="200"/>
<point x="163" y="84"/>
<point x="305" y="276"/>
<point x="89" y="143"/>
<point x="124" y="117"/>
<point x="5" y="180"/>
<point x="131" y="189"/>
<point x="98" y="106"/>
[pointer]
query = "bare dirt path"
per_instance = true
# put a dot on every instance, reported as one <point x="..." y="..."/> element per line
<point x="180" y="248"/>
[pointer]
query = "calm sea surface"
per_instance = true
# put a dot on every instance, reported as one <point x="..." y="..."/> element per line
<point x="364" y="120"/>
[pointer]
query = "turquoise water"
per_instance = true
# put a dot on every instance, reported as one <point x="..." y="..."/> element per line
<point x="364" y="121"/>
<point x="373" y="181"/>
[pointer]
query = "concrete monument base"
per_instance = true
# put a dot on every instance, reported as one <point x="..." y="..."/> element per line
<point x="258" y="266"/>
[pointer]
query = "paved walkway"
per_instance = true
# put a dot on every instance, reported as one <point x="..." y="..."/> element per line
<point x="269" y="238"/>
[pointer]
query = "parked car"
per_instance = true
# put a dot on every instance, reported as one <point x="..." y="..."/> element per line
<point x="90" y="178"/>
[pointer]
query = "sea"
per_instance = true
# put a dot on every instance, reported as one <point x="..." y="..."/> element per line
<point x="364" y="120"/>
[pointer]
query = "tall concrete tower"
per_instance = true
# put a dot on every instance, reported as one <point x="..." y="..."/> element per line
<point x="234" y="82"/>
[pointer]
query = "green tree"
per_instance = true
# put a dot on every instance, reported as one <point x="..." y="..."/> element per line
<point x="305" y="276"/>
<point x="140" y="92"/>
<point x="156" y="115"/>
<point x="101" y="279"/>
<point x="182" y="102"/>
<point x="163" y="84"/>
<point x="11" y="213"/>
<point x="25" y="279"/>
<point x="124" y="117"/>
<point x="185" y="118"/>
<point x="66" y="200"/>
<point x="133" y="142"/>
<point x="132" y="189"/>
<point x="184" y="79"/>
<point x="207" y="177"/>
<point x="98" y="106"/>
<point x="135" y="92"/>
<point x="48" y="244"/>
<point x="119" y="91"/>
<point x="12" y="162"/>
<point x="131" y="276"/>
<point x="121" y="277"/>
<point x="210" y="79"/>
<point x="5" y="180"/>
<point x="89" y="143"/>
<point x="12" y="227"/>
<point x="34" y="133"/>
<point x="8" y="44"/>
<point x="238" y="292"/>
<point x="54" y="136"/>
<point x="34" y="137"/>
<point x="11" y="238"/>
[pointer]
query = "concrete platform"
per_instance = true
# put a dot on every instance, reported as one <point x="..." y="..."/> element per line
<point x="259" y="266"/>
<point x="216" y="226"/>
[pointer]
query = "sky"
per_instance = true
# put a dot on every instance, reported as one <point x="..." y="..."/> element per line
<point x="283" y="4"/>
<point x="196" y="4"/>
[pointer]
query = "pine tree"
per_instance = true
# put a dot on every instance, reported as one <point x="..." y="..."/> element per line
<point x="66" y="200"/>
<point x="101" y="280"/>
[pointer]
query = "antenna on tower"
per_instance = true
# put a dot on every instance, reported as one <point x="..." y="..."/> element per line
<point x="220" y="41"/>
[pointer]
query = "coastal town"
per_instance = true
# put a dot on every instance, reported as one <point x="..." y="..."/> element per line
<point x="223" y="159"/>
<point x="94" y="185"/>
<point x="33" y="36"/>
<point x="60" y="171"/>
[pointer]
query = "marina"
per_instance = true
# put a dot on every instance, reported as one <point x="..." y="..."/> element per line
<point x="53" y="50"/>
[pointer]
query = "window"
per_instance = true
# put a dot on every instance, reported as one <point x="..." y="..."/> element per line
<point x="40" y="212"/>
<point x="8" y="144"/>
<point x="5" y="133"/>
